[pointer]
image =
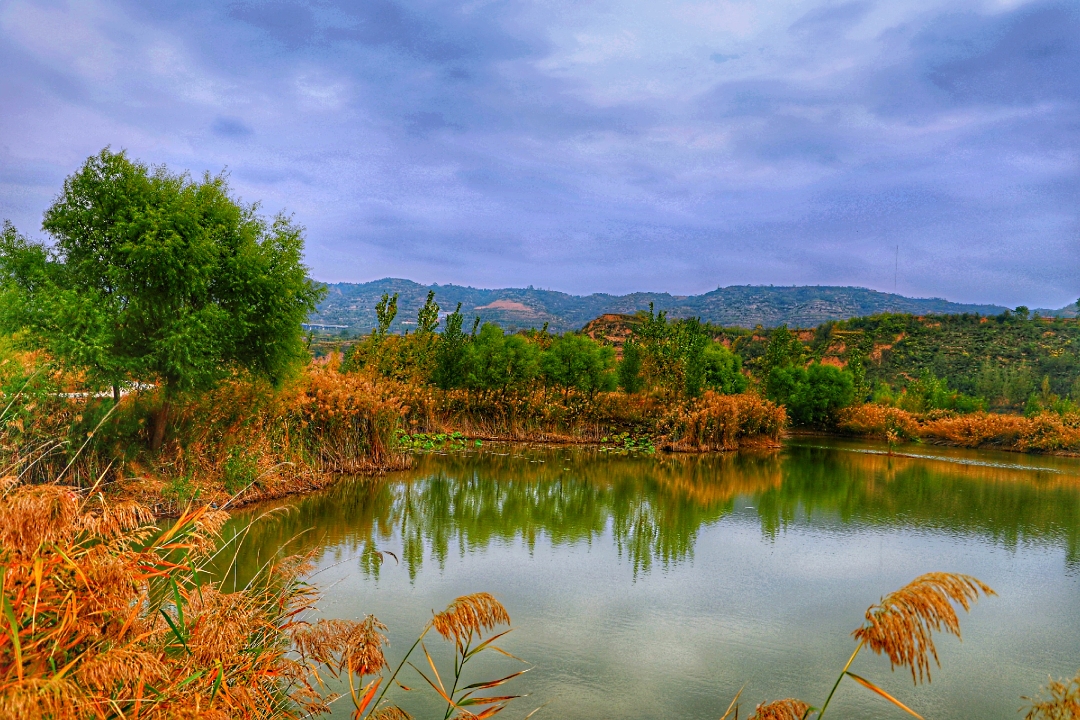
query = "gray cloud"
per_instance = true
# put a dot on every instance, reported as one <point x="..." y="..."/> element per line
<point x="675" y="147"/>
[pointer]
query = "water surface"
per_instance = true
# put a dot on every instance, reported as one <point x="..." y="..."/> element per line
<point x="649" y="587"/>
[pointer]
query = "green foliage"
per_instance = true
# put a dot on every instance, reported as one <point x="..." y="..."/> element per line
<point x="156" y="277"/>
<point x="629" y="370"/>
<point x="784" y="350"/>
<point x="451" y="359"/>
<point x="577" y="362"/>
<point x="501" y="362"/>
<point x="1047" y="401"/>
<point x="723" y="370"/>
<point x="1004" y="387"/>
<point x="626" y="444"/>
<point x="421" y="442"/>
<point x="385" y="312"/>
<point x="679" y="356"/>
<point x="997" y="358"/>
<point x="239" y="471"/>
<point x="813" y="395"/>
<point x="427" y="318"/>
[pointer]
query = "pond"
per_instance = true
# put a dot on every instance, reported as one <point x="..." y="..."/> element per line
<point x="658" y="586"/>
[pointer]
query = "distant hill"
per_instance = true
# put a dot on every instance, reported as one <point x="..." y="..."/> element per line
<point x="353" y="305"/>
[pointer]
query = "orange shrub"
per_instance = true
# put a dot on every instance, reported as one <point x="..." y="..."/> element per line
<point x="724" y="422"/>
<point x="879" y="421"/>
<point x="1045" y="432"/>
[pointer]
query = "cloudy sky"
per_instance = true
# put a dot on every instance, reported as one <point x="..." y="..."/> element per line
<point x="588" y="145"/>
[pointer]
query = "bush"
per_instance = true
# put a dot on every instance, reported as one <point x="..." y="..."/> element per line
<point x="723" y="370"/>
<point x="724" y="422"/>
<point x="813" y="395"/>
<point x="577" y="362"/>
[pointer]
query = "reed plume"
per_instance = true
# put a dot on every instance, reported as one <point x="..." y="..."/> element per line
<point x="391" y="712"/>
<point x="468" y="616"/>
<point x="900" y="625"/>
<point x="1063" y="703"/>
<point x="787" y="709"/>
<point x="344" y="645"/>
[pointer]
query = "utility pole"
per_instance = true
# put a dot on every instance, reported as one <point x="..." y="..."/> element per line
<point x="896" y="269"/>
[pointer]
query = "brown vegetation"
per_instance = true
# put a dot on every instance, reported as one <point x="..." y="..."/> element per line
<point x="725" y="422"/>
<point x="1045" y="432"/>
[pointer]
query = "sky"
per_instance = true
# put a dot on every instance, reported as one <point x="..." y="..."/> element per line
<point x="931" y="146"/>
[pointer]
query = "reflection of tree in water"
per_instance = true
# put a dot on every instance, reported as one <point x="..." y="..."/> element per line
<point x="1007" y="505"/>
<point x="654" y="507"/>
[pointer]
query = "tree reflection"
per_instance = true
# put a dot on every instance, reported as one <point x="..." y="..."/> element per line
<point x="652" y="508"/>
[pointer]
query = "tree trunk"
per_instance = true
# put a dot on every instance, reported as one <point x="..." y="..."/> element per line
<point x="161" y="420"/>
<point x="116" y="393"/>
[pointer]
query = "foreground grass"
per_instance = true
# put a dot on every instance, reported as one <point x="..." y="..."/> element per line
<point x="105" y="615"/>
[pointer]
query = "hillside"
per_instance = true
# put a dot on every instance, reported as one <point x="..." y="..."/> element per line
<point x="1001" y="359"/>
<point x="353" y="305"/>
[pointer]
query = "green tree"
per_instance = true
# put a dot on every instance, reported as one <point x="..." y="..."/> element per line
<point x="784" y="349"/>
<point x="578" y="362"/>
<point x="501" y="362"/>
<point x="427" y="319"/>
<point x="692" y="339"/>
<point x="629" y="370"/>
<point x="385" y="312"/>
<point x="451" y="355"/>
<point x="723" y="370"/>
<point x="156" y="277"/>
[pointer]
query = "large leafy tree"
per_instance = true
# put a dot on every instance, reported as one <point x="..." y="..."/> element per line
<point x="156" y="277"/>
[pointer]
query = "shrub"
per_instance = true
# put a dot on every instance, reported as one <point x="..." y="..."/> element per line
<point x="812" y="396"/>
<point x="577" y="362"/>
<point x="723" y="422"/>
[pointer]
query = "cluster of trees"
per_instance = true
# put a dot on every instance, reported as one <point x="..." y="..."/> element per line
<point x="485" y="358"/>
<point x="679" y="357"/>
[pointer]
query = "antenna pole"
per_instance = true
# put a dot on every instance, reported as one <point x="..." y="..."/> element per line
<point x="896" y="269"/>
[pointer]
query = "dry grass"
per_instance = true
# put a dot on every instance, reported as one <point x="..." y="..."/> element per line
<point x="468" y="617"/>
<point x="1063" y="702"/>
<point x="104" y="615"/>
<point x="901" y="625"/>
<point x="788" y="709"/>
<point x="1046" y="432"/>
<point x="725" y="422"/>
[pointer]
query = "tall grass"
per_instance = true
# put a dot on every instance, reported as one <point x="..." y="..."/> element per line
<point x="104" y="614"/>
<point x="725" y="422"/>
<point x="1045" y="432"/>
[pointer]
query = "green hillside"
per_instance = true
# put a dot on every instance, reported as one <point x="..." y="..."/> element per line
<point x="1001" y="359"/>
<point x="353" y="305"/>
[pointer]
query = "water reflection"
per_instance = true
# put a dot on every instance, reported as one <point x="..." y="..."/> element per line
<point x="655" y="507"/>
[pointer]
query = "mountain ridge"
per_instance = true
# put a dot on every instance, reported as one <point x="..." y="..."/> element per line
<point x="353" y="305"/>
